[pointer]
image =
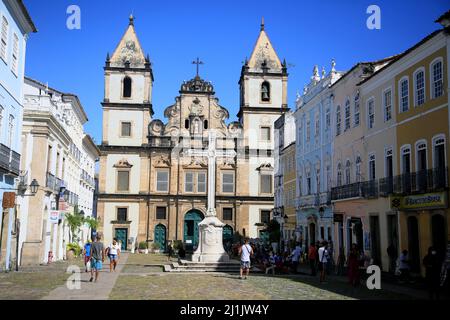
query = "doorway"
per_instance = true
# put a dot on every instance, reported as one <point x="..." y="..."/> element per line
<point x="160" y="236"/>
<point x="413" y="244"/>
<point x="375" y="239"/>
<point x="312" y="233"/>
<point x="121" y="234"/>
<point x="191" y="234"/>
<point x="438" y="233"/>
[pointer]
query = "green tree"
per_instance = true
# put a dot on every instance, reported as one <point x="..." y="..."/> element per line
<point x="92" y="223"/>
<point x="74" y="221"/>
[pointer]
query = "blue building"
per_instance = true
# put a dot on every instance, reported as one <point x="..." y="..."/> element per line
<point x="314" y="158"/>
<point x="15" y="25"/>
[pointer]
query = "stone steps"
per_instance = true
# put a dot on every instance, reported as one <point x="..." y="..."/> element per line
<point x="185" y="266"/>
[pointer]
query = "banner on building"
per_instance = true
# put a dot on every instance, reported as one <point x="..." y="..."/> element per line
<point x="437" y="200"/>
<point x="9" y="200"/>
<point x="54" y="216"/>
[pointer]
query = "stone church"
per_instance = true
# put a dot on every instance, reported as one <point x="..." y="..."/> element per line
<point x="150" y="188"/>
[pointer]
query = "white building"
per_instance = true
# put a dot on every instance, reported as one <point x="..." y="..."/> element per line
<point x="55" y="152"/>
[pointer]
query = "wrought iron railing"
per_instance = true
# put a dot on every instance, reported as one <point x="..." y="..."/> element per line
<point x="5" y="154"/>
<point x="353" y="190"/>
<point x="424" y="181"/>
<point x="15" y="163"/>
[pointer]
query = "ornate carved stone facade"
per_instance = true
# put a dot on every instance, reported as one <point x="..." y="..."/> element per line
<point x="151" y="188"/>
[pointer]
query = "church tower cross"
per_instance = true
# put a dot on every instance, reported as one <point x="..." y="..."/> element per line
<point x="198" y="63"/>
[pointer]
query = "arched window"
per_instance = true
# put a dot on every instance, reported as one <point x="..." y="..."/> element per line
<point x="127" y="87"/>
<point x="339" y="175"/>
<point x="265" y="91"/>
<point x="347" y="172"/>
<point x="347" y="115"/>
<point x="338" y="120"/>
<point x="437" y="85"/>
<point x="358" y="169"/>
<point x="419" y="87"/>
<point x="205" y="124"/>
<point x="186" y="124"/>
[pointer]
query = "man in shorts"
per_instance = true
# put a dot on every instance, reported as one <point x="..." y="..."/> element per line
<point x="97" y="257"/>
<point x="245" y="251"/>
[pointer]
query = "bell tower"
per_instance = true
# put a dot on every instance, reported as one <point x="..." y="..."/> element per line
<point x="263" y="91"/>
<point x="127" y="103"/>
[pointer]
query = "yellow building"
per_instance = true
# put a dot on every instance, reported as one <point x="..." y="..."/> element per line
<point x="415" y="168"/>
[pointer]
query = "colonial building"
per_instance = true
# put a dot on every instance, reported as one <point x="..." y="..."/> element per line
<point x="150" y="187"/>
<point x="60" y="156"/>
<point x="357" y="125"/>
<point x="285" y="178"/>
<point x="392" y="172"/>
<point x="15" y="26"/>
<point x="314" y="147"/>
<point x="418" y="189"/>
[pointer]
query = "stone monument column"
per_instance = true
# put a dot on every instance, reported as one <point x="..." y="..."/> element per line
<point x="210" y="248"/>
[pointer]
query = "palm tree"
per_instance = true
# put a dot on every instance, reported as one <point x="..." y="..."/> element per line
<point x="74" y="222"/>
<point x="92" y="223"/>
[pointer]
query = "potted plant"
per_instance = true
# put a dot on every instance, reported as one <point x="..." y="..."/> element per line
<point x="177" y="245"/>
<point x="156" y="247"/>
<point x="143" y="247"/>
<point x="73" y="250"/>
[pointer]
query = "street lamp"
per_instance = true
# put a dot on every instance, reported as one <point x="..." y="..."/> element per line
<point x="34" y="186"/>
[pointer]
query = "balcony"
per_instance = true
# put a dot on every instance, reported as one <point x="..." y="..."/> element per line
<point x="5" y="154"/>
<point x="423" y="181"/>
<point x="370" y="189"/>
<point x="325" y="198"/>
<point x="353" y="190"/>
<point x="15" y="163"/>
<point x="308" y="201"/>
<point x="53" y="183"/>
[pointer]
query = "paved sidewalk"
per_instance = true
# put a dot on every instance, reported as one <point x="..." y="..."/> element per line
<point x="99" y="290"/>
<point x="386" y="283"/>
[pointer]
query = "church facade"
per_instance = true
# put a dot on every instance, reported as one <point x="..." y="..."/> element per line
<point x="151" y="188"/>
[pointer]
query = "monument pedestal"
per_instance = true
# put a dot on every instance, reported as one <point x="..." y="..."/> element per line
<point x="210" y="247"/>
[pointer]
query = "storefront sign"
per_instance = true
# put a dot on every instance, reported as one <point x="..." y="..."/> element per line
<point x="425" y="201"/>
<point x="54" y="216"/>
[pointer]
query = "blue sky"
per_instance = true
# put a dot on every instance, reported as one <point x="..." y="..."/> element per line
<point x="222" y="34"/>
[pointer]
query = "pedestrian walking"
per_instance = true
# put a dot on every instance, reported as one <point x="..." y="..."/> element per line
<point x="353" y="266"/>
<point x="97" y="257"/>
<point x="87" y="255"/>
<point x="323" y="260"/>
<point x="432" y="264"/>
<point x="113" y="252"/>
<point x="312" y="257"/>
<point x="245" y="251"/>
<point x="404" y="267"/>
<point x="169" y="251"/>
<point x="296" y="257"/>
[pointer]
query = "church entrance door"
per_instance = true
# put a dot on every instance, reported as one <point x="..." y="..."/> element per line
<point x="160" y="236"/>
<point x="191" y="221"/>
